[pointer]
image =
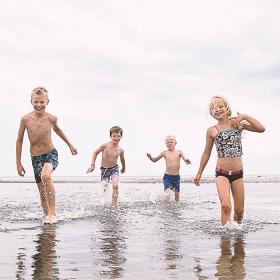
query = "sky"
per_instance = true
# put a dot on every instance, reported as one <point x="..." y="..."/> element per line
<point x="150" y="67"/>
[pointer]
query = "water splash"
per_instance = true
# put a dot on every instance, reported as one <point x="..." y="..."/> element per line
<point x="159" y="196"/>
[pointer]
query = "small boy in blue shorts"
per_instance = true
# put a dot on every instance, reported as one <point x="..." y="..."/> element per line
<point x="111" y="151"/>
<point x="171" y="178"/>
<point x="39" y="125"/>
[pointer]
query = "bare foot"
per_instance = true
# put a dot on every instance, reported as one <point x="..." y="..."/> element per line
<point x="50" y="219"/>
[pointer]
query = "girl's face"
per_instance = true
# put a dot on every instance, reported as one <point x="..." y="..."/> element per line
<point x="219" y="110"/>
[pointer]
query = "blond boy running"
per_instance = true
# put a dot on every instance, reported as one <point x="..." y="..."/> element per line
<point x="171" y="178"/>
<point x="39" y="125"/>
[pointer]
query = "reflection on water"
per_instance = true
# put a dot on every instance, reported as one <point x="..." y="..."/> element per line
<point x="230" y="265"/>
<point x="171" y="239"/>
<point x="112" y="243"/>
<point x="20" y="264"/>
<point x="45" y="259"/>
<point x="172" y="256"/>
<point x="198" y="270"/>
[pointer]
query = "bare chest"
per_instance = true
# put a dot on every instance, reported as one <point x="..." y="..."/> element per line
<point x="39" y="126"/>
<point x="172" y="157"/>
<point x="112" y="152"/>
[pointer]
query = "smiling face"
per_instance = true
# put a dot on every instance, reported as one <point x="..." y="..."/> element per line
<point x="39" y="102"/>
<point x="219" y="108"/>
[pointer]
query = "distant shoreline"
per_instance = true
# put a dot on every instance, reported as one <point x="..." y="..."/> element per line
<point x="137" y="179"/>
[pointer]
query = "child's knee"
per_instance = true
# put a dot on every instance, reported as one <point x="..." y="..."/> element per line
<point x="46" y="178"/>
<point x="225" y="207"/>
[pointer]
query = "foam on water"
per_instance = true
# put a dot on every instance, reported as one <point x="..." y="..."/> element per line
<point x="213" y="227"/>
<point x="106" y="191"/>
<point x="157" y="195"/>
<point x="194" y="212"/>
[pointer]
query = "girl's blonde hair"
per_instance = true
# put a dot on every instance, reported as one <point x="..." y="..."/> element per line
<point x="214" y="102"/>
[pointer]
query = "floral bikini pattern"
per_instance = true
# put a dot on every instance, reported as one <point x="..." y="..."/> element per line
<point x="228" y="143"/>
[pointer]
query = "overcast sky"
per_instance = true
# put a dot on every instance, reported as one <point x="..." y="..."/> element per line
<point x="149" y="66"/>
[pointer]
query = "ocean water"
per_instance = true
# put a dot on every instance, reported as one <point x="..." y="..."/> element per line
<point x="140" y="238"/>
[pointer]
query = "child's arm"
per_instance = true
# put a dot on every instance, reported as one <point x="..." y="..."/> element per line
<point x="94" y="156"/>
<point x="250" y="123"/>
<point x="205" y="156"/>
<point x="61" y="134"/>
<point x="154" y="159"/>
<point x="19" y="142"/>
<point x="122" y="161"/>
<point x="186" y="160"/>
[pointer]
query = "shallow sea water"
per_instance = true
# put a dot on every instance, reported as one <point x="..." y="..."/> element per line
<point x="138" y="238"/>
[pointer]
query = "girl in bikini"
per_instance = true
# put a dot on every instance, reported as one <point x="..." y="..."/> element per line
<point x="229" y="169"/>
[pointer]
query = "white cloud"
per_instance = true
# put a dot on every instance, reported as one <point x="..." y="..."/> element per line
<point x="149" y="66"/>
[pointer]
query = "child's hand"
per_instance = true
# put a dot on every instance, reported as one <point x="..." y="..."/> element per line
<point x="197" y="179"/>
<point x="123" y="170"/>
<point x="73" y="150"/>
<point x="20" y="170"/>
<point x="235" y="121"/>
<point x="149" y="156"/>
<point x="91" y="168"/>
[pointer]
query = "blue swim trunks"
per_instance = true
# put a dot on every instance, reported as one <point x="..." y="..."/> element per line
<point x="39" y="161"/>
<point x="172" y="182"/>
<point x="107" y="174"/>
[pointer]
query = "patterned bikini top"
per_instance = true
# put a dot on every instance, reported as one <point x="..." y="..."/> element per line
<point x="228" y="143"/>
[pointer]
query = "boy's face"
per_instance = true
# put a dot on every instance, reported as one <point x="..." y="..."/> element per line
<point x="116" y="137"/>
<point x="39" y="102"/>
<point x="170" y="143"/>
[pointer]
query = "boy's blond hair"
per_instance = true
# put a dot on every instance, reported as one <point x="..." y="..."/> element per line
<point x="170" y="137"/>
<point x="214" y="102"/>
<point x="39" y="91"/>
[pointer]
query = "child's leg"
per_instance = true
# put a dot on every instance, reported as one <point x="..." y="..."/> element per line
<point x="177" y="182"/>
<point x="237" y="188"/>
<point x="43" y="198"/>
<point x="49" y="190"/>
<point x="223" y="188"/>
<point x="167" y="194"/>
<point x="115" y="186"/>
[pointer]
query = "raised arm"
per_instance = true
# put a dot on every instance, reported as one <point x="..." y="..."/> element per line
<point x="186" y="160"/>
<point x="122" y="161"/>
<point x="154" y="159"/>
<point x="250" y="123"/>
<point x="94" y="156"/>
<point x="20" y="169"/>
<point x="205" y="156"/>
<point x="61" y="134"/>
